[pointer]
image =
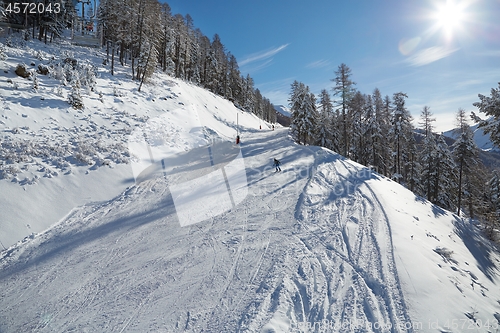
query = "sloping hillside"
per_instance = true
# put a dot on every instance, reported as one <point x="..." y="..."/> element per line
<point x="324" y="245"/>
<point x="324" y="242"/>
<point x="54" y="157"/>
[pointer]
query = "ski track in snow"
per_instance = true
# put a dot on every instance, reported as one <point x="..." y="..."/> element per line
<point x="309" y="250"/>
<point x="271" y="264"/>
<point x="351" y="228"/>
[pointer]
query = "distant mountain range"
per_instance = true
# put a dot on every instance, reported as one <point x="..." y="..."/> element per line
<point x="482" y="140"/>
<point x="283" y="115"/>
<point x="490" y="154"/>
<point x="283" y="110"/>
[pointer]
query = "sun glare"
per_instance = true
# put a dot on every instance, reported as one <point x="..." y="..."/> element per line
<point x="449" y="16"/>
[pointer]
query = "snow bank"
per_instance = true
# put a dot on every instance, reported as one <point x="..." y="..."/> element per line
<point x="55" y="158"/>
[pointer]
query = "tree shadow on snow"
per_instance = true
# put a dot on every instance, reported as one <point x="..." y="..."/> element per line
<point x="71" y="240"/>
<point x="481" y="248"/>
<point x="436" y="210"/>
<point x="36" y="102"/>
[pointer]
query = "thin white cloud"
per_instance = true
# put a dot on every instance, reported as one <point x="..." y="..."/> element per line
<point x="262" y="55"/>
<point x="429" y="55"/>
<point x="281" y="84"/>
<point x="277" y="97"/>
<point x="256" y="68"/>
<point x="318" y="64"/>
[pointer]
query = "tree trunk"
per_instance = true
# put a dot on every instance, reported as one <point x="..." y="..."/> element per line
<point x="460" y="187"/>
<point x="113" y="60"/>
<point x="122" y="53"/>
<point x="144" y="71"/>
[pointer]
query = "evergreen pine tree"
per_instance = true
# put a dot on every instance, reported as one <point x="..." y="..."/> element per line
<point x="325" y="136"/>
<point x="379" y="133"/>
<point x="310" y="118"/>
<point x="295" y="108"/>
<point x="413" y="169"/>
<point x="445" y="177"/>
<point x="491" y="107"/>
<point x="356" y="128"/>
<point x="427" y="153"/>
<point x="370" y="129"/>
<point x="344" y="89"/>
<point x="494" y="194"/>
<point x="401" y="132"/>
<point x="35" y="85"/>
<point x="304" y="114"/>
<point x="466" y="155"/>
<point x="74" y="97"/>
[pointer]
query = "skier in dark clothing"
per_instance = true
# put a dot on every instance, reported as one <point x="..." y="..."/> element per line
<point x="277" y="165"/>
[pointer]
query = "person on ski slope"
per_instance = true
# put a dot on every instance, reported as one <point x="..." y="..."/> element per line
<point x="277" y="165"/>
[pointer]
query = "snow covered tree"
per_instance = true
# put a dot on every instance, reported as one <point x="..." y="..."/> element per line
<point x="146" y="32"/>
<point x="371" y="133"/>
<point x="269" y="113"/>
<point x="444" y="179"/>
<point x="401" y="132"/>
<point x="344" y="89"/>
<point x="257" y="110"/>
<point x="380" y="133"/>
<point x="494" y="194"/>
<point x="356" y="128"/>
<point x="426" y="121"/>
<point x="325" y="137"/>
<point x="310" y="119"/>
<point x="235" y="87"/>
<point x="88" y="76"/>
<point x="412" y="166"/>
<point x="248" y="100"/>
<point x="75" y="98"/>
<point x="166" y="41"/>
<point x="428" y="151"/>
<point x="216" y="67"/>
<point x="325" y="103"/>
<point x="492" y="215"/>
<point x="466" y="155"/>
<point x="36" y="84"/>
<point x="303" y="108"/>
<point x="323" y="134"/>
<point x="49" y="23"/>
<point x="491" y="107"/>
<point x="145" y="45"/>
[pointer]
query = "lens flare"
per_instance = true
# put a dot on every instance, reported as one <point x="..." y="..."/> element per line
<point x="449" y="16"/>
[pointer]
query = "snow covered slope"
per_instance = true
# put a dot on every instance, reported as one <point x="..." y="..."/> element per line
<point x="54" y="158"/>
<point x="326" y="245"/>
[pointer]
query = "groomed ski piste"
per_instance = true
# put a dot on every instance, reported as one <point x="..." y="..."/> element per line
<point x="326" y="245"/>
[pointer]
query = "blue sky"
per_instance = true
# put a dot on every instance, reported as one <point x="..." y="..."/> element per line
<point x="441" y="53"/>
